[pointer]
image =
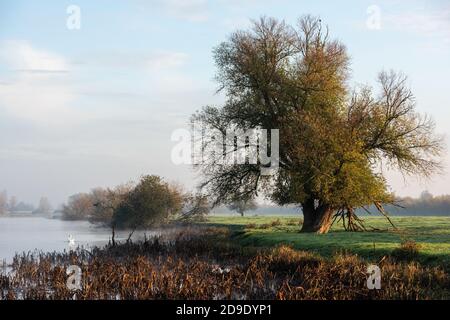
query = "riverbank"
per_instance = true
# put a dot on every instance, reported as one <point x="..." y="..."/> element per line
<point x="204" y="262"/>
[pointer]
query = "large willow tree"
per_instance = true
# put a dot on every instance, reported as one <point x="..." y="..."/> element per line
<point x="333" y="140"/>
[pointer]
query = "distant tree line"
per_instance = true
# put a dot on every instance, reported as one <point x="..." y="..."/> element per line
<point x="425" y="205"/>
<point x="13" y="205"/>
<point x="150" y="202"/>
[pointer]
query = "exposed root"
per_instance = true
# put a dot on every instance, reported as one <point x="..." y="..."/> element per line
<point x="351" y="221"/>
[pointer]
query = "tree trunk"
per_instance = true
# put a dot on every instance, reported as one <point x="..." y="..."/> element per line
<point x="318" y="219"/>
<point x="113" y="236"/>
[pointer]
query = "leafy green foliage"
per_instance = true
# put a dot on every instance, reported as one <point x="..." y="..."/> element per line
<point x="151" y="202"/>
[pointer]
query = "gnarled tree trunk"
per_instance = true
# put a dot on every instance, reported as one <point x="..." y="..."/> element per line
<point x="316" y="219"/>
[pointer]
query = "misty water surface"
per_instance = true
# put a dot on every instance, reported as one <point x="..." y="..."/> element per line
<point x="23" y="234"/>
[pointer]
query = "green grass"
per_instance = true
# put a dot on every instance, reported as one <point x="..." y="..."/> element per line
<point x="431" y="233"/>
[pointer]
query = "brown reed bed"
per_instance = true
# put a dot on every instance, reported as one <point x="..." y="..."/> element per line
<point x="201" y="263"/>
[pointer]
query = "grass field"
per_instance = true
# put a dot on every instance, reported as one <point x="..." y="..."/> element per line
<point x="432" y="234"/>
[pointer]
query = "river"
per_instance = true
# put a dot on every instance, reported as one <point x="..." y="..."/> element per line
<point x="23" y="234"/>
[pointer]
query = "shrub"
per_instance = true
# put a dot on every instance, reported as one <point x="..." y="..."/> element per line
<point x="275" y="223"/>
<point x="151" y="202"/>
<point x="292" y="222"/>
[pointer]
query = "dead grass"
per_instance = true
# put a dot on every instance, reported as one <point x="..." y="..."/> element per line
<point x="272" y="224"/>
<point x="201" y="263"/>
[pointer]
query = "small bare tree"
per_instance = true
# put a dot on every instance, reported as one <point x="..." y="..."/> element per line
<point x="3" y="202"/>
<point x="12" y="203"/>
<point x="241" y="206"/>
<point x="44" y="206"/>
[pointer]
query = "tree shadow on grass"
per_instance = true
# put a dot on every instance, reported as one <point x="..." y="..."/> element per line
<point x="370" y="245"/>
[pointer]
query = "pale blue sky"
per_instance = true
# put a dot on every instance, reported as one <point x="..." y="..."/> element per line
<point x="96" y="106"/>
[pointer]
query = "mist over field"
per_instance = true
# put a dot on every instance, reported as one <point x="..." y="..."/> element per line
<point x="224" y="156"/>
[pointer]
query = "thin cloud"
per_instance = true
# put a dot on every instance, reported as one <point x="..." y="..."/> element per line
<point x="430" y="24"/>
<point x="21" y="56"/>
<point x="36" y="93"/>
<point x="186" y="10"/>
<point x="190" y="10"/>
<point x="159" y="59"/>
<point x="166" y="60"/>
<point x="42" y="71"/>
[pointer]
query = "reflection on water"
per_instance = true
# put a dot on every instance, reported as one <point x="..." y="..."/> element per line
<point x="23" y="234"/>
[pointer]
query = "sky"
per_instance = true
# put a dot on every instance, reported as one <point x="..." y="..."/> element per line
<point x="93" y="101"/>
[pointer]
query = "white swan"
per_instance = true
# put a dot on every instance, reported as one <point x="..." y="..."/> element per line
<point x="71" y="240"/>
